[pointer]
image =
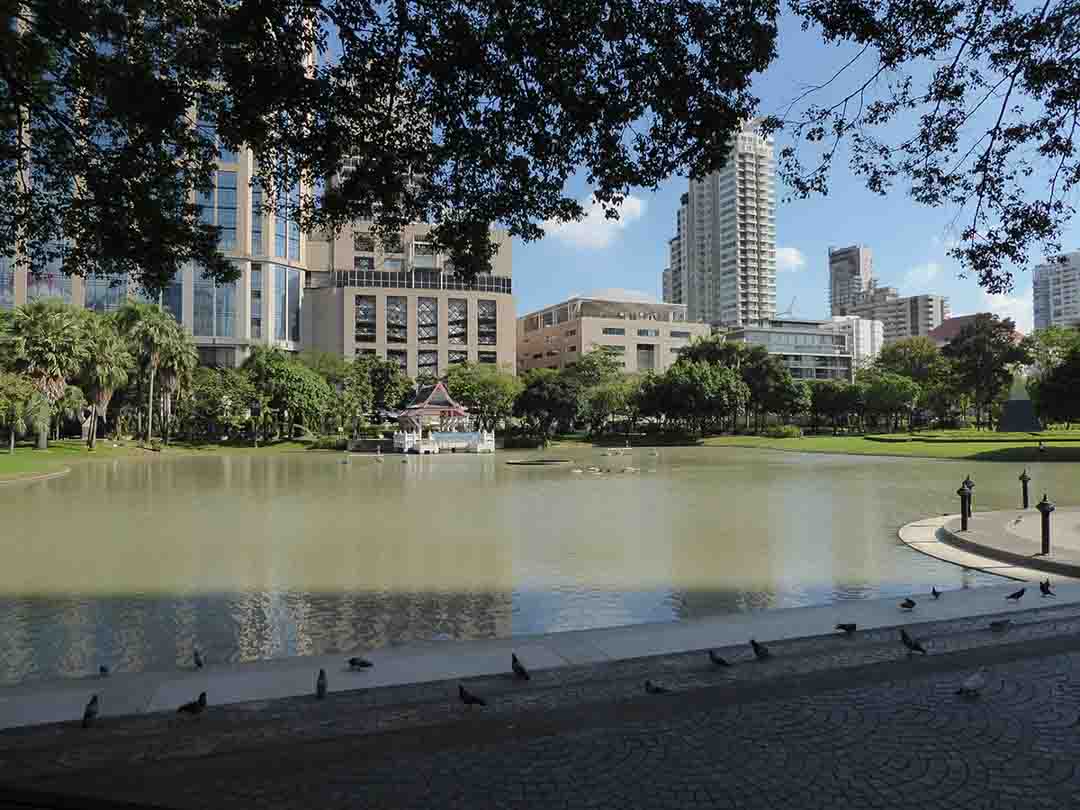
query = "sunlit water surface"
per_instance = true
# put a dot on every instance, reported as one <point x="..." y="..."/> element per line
<point x="132" y="563"/>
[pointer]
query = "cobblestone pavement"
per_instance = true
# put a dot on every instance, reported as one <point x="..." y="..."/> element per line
<point x="828" y="723"/>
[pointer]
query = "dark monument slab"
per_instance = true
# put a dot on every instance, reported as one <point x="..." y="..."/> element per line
<point x="1018" y="413"/>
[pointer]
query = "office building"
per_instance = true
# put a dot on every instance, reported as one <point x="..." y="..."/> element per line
<point x="724" y="250"/>
<point x="903" y="317"/>
<point x="646" y="335"/>
<point x="850" y="275"/>
<point x="402" y="301"/>
<point x="1056" y="291"/>
<point x="816" y="350"/>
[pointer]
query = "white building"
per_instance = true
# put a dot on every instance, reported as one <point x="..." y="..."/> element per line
<point x="723" y="257"/>
<point x="816" y="350"/>
<point x="850" y="274"/>
<point x="1056" y="291"/>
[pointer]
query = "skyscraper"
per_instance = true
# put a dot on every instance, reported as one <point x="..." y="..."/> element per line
<point x="726" y="237"/>
<point x="1056" y="291"/>
<point x="850" y="272"/>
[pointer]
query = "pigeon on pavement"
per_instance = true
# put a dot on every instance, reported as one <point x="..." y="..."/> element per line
<point x="195" y="706"/>
<point x="1045" y="588"/>
<point x="908" y="604"/>
<point x="847" y="627"/>
<point x="912" y="645"/>
<point x="1016" y="597"/>
<point x="91" y="713"/>
<point x="718" y="660"/>
<point x="468" y="698"/>
<point x="655" y="688"/>
<point x="198" y="659"/>
<point x="934" y="592"/>
<point x="359" y="663"/>
<point x="320" y="685"/>
<point x="519" y="668"/>
<point x="760" y="650"/>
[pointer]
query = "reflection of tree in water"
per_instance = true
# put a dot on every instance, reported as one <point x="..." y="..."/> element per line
<point x="71" y="637"/>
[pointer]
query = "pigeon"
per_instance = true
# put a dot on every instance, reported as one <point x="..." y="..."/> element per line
<point x="655" y="689"/>
<point x="1016" y="596"/>
<point x="908" y="604"/>
<point x="847" y="627"/>
<point x="360" y="663"/>
<point x="195" y="706"/>
<point x="103" y="671"/>
<point x="760" y="650"/>
<point x="519" y="668"/>
<point x="468" y="698"/>
<point x="320" y="685"/>
<point x="972" y="685"/>
<point x="91" y="713"/>
<point x="912" y="645"/>
<point x="718" y="660"/>
<point x="1000" y="625"/>
<point x="198" y="659"/>
<point x="934" y="592"/>
<point x="1045" y="588"/>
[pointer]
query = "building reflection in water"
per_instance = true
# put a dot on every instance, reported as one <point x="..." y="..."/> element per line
<point x="133" y="563"/>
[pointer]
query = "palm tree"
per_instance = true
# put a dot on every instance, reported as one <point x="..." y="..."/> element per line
<point x="106" y="370"/>
<point x="179" y="358"/>
<point x="48" y="344"/>
<point x="21" y="406"/>
<point x="149" y="329"/>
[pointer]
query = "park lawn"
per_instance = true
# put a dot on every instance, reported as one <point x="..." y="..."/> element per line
<point x="979" y="447"/>
<point x="28" y="462"/>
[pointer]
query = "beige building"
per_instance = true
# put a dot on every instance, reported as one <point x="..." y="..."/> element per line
<point x="648" y="336"/>
<point x="902" y="317"/>
<point x="850" y="275"/>
<point x="403" y="302"/>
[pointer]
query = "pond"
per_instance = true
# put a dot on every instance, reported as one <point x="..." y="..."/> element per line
<point x="134" y="562"/>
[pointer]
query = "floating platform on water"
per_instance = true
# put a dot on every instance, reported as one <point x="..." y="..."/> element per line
<point x="538" y="462"/>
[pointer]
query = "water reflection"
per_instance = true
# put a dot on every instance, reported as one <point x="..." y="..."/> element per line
<point x="132" y="563"/>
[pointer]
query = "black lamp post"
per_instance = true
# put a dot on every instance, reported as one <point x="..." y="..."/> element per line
<point x="969" y="485"/>
<point x="1045" y="508"/>
<point x="965" y="495"/>
<point x="1024" y="479"/>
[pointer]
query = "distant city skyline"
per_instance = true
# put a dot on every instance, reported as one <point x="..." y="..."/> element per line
<point x="909" y="241"/>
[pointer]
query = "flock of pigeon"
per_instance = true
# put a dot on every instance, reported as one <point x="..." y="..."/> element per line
<point x="971" y="686"/>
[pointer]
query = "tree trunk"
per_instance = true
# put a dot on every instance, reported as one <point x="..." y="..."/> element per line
<point x="43" y="437"/>
<point x="11" y="441"/>
<point x="93" y="429"/>
<point x="150" y="407"/>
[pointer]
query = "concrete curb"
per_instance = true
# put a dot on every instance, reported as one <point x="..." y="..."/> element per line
<point x="1001" y="555"/>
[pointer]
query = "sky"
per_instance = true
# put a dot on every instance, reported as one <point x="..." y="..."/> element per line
<point x="909" y="241"/>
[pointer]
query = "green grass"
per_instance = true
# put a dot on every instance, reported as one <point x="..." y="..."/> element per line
<point x="973" y="445"/>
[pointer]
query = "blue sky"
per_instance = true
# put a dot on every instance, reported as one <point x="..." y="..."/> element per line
<point x="909" y="241"/>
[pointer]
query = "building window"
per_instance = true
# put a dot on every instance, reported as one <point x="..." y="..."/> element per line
<point x="226" y="210"/>
<point x="294" y="224"/>
<point x="365" y="352"/>
<point x="400" y="357"/>
<point x="50" y="284"/>
<point x="224" y="309"/>
<point x="173" y="298"/>
<point x="392" y="265"/>
<point x="457" y="321"/>
<point x="280" y="230"/>
<point x="614" y="330"/>
<point x="105" y="293"/>
<point x="281" y="297"/>
<point x="675" y="334"/>
<point x="427" y="320"/>
<point x="615" y="348"/>
<point x="571" y="332"/>
<point x="397" y="319"/>
<point x="363" y="243"/>
<point x="256" y="301"/>
<point x="427" y="362"/>
<point x="548" y="319"/>
<point x="7" y="284"/>
<point x="487" y="357"/>
<point x="487" y="324"/>
<point x="457" y="357"/>
<point x="294" y="305"/>
<point x="365" y="318"/>
<point x="256" y="219"/>
<point x="648" y="332"/>
<point x="392" y="243"/>
<point x="571" y="349"/>
<point x="363" y="263"/>
<point x="204" y="305"/>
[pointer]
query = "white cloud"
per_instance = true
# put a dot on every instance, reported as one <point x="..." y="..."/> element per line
<point x="1011" y="306"/>
<point x="595" y="230"/>
<point x="921" y="274"/>
<point x="788" y="258"/>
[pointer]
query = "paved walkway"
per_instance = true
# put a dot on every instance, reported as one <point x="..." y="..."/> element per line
<point x="827" y="722"/>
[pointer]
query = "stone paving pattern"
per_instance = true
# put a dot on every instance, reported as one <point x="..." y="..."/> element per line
<point x="828" y="722"/>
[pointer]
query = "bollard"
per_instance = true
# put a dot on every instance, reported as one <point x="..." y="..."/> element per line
<point x="964" y="494"/>
<point x="1045" y="507"/>
<point x="1024" y="479"/>
<point x="969" y="485"/>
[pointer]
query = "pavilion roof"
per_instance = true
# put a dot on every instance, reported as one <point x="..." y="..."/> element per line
<point x="433" y="399"/>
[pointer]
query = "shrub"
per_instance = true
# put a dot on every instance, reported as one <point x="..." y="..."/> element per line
<point x="330" y="443"/>
<point x="783" y="432"/>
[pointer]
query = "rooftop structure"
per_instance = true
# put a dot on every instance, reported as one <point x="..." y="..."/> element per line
<point x="813" y="349"/>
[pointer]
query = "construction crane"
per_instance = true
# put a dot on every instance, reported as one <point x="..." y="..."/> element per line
<point x="789" y="310"/>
